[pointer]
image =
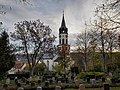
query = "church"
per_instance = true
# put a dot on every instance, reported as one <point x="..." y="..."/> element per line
<point x="63" y="48"/>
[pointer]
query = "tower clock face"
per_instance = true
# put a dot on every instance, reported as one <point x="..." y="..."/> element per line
<point x="63" y="31"/>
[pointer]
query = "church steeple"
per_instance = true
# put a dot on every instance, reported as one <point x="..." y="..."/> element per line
<point x="63" y="21"/>
<point x="63" y="47"/>
<point x="63" y="28"/>
<point x="63" y="32"/>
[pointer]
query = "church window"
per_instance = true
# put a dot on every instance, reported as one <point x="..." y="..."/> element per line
<point x="62" y="41"/>
<point x="66" y="41"/>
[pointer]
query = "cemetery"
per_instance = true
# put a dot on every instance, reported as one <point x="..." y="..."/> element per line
<point x="84" y="57"/>
<point x="53" y="81"/>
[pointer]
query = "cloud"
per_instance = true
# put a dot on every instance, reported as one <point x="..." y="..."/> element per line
<point x="50" y="12"/>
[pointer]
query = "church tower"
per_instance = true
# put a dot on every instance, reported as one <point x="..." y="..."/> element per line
<point x="63" y="47"/>
<point x="63" y="33"/>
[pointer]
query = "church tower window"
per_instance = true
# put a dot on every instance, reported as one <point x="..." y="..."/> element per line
<point x="62" y="41"/>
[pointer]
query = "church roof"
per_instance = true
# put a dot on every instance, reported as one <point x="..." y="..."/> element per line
<point x="63" y="28"/>
<point x="63" y="22"/>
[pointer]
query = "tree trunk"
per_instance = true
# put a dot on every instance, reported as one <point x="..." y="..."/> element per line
<point x="32" y="71"/>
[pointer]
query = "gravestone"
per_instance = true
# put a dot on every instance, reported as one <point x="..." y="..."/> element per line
<point x="39" y="81"/>
<point x="81" y="87"/>
<point x="59" y="83"/>
<point x="58" y="88"/>
<point x="46" y="83"/>
<point x="19" y="87"/>
<point x="106" y="87"/>
<point x="39" y="88"/>
<point x="77" y="82"/>
<point x="16" y="80"/>
<point x="103" y="79"/>
<point x="93" y="81"/>
<point x="7" y="81"/>
<point x="32" y="84"/>
<point x="53" y="79"/>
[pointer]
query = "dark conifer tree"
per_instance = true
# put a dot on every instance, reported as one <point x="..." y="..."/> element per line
<point x="7" y="58"/>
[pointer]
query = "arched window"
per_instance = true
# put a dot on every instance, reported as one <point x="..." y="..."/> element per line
<point x="66" y="41"/>
<point x="62" y="41"/>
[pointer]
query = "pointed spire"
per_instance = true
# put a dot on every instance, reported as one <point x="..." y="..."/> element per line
<point x="63" y="21"/>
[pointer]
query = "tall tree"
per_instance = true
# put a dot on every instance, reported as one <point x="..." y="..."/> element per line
<point x="106" y="42"/>
<point x="7" y="58"/>
<point x="108" y="23"/>
<point x="35" y="40"/>
<point x="83" y="44"/>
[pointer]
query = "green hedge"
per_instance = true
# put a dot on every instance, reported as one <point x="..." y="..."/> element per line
<point x="84" y="74"/>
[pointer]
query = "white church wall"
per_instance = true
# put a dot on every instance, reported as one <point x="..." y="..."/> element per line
<point x="49" y="63"/>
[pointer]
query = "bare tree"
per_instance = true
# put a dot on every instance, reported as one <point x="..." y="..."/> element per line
<point x="83" y="44"/>
<point x="106" y="42"/>
<point x="106" y="26"/>
<point x="109" y="14"/>
<point x="35" y="39"/>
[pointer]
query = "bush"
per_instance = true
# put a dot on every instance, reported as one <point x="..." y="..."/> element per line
<point x="116" y="78"/>
<point x="34" y="79"/>
<point x="83" y="75"/>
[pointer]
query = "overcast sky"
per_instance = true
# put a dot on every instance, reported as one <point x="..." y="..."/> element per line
<point x="50" y="12"/>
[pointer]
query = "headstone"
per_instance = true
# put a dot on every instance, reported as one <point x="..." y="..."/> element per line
<point x="58" y="88"/>
<point x="16" y="80"/>
<point x="77" y="82"/>
<point x="66" y="79"/>
<point x="106" y="87"/>
<point x="20" y="88"/>
<point x="88" y="79"/>
<point x="46" y="83"/>
<point x="39" y="88"/>
<point x="53" y="79"/>
<point x="32" y="84"/>
<point x="81" y="87"/>
<point x="59" y="83"/>
<point x="7" y="81"/>
<point x="39" y="81"/>
<point x="93" y="81"/>
<point x="103" y="79"/>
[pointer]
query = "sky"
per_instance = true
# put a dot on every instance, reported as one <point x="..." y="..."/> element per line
<point x="76" y="12"/>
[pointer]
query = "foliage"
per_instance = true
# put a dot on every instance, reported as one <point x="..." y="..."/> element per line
<point x="95" y="64"/>
<point x="35" y="40"/>
<point x="39" y="68"/>
<point x="33" y="79"/>
<point x="7" y="58"/>
<point x="83" y="74"/>
<point x="58" y="68"/>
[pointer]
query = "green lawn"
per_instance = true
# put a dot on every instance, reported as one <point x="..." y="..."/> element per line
<point x="112" y="88"/>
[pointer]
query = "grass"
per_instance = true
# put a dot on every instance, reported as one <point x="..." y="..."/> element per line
<point x="111" y="88"/>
